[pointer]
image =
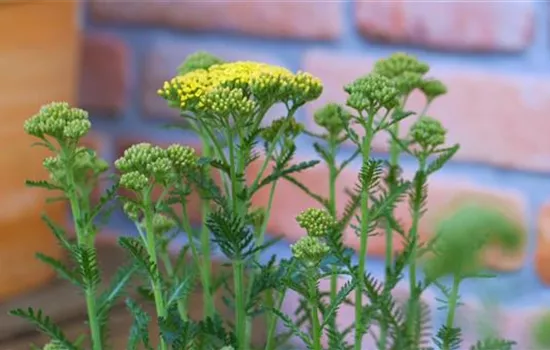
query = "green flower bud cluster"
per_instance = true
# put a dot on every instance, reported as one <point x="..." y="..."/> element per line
<point x="371" y="93"/>
<point x="144" y="164"/>
<point x="85" y="164"/>
<point x="333" y="118"/>
<point x="162" y="224"/>
<point x="198" y="60"/>
<point x="291" y="131"/>
<point x="132" y="210"/>
<point x="399" y="63"/>
<point x="408" y="73"/>
<point x="310" y="249"/>
<point x="318" y="224"/>
<point x="224" y="101"/>
<point x="59" y="121"/>
<point x="433" y="88"/>
<point x="428" y="133"/>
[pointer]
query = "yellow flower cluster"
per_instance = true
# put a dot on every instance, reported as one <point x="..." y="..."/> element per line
<point x="238" y="87"/>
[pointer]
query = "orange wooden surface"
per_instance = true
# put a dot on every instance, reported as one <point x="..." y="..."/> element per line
<point x="38" y="64"/>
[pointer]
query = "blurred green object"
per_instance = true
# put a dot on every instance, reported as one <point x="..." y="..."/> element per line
<point x="461" y="238"/>
<point x="541" y="331"/>
<point x="198" y="60"/>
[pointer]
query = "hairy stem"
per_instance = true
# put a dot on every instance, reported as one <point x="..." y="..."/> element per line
<point x="86" y="240"/>
<point x="453" y="302"/>
<point x="156" y="283"/>
<point x="364" y="234"/>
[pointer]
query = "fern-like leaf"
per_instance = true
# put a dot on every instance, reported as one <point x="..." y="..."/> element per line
<point x="45" y="325"/>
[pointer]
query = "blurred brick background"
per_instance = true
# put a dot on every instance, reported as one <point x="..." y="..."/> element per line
<point x="493" y="55"/>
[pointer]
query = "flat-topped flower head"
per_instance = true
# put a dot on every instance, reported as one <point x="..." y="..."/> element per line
<point x="433" y="88"/>
<point x="291" y="129"/>
<point x="333" y="118"/>
<point x="198" y="60"/>
<point x="309" y="249"/>
<point x="316" y="222"/>
<point x="399" y="63"/>
<point x="183" y="158"/>
<point x="239" y="87"/>
<point x="428" y="133"/>
<point x="372" y="92"/>
<point x="60" y="121"/>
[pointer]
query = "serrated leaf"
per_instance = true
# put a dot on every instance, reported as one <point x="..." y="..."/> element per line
<point x="62" y="270"/>
<point x="289" y="323"/>
<point x="45" y="325"/>
<point x="43" y="184"/>
<point x="140" y="327"/>
<point x="442" y="159"/>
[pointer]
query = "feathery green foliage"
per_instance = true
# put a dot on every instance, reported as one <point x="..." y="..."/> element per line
<point x="226" y="104"/>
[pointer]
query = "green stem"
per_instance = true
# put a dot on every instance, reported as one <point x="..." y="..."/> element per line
<point x="394" y="160"/>
<point x="453" y="302"/>
<point x="156" y="284"/>
<point x="205" y="247"/>
<point x="165" y="257"/>
<point x="272" y="323"/>
<point x="413" y="234"/>
<point x="205" y="279"/>
<point x="316" y="325"/>
<point x="333" y="174"/>
<point x="259" y="241"/>
<point x="84" y="239"/>
<point x="240" y="306"/>
<point x="365" y="218"/>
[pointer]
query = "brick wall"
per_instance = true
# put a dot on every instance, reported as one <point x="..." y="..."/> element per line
<point x="494" y="57"/>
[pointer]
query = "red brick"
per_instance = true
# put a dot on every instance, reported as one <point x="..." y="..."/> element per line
<point x="542" y="254"/>
<point x="444" y="196"/>
<point x="163" y="60"/>
<point x="497" y="119"/>
<point x="279" y="19"/>
<point x="459" y="25"/>
<point x="104" y="73"/>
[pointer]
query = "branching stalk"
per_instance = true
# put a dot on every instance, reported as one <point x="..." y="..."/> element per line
<point x="84" y="239"/>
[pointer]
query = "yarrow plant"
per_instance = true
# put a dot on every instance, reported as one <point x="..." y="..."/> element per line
<point x="226" y="105"/>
